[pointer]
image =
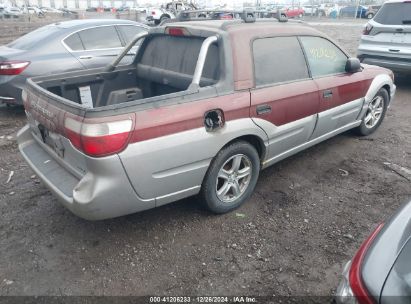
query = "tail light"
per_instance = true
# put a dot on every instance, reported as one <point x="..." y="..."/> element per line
<point x="367" y="29"/>
<point x="177" y="31"/>
<point x="13" y="67"/>
<point x="355" y="278"/>
<point x="99" y="139"/>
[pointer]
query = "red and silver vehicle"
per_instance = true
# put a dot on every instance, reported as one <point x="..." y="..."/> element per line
<point x="202" y="109"/>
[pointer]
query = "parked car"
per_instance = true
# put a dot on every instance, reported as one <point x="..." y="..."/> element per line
<point x="33" y="10"/>
<point x="386" y="39"/>
<point x="380" y="271"/>
<point x="353" y="11"/>
<point x="50" y="10"/>
<point x="60" y="47"/>
<point x="292" y="12"/>
<point x="326" y="8"/>
<point x="201" y="119"/>
<point x="372" y="11"/>
<point x="311" y="10"/>
<point x="12" y="12"/>
<point x="2" y="13"/>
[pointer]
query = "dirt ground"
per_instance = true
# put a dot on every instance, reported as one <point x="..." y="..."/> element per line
<point x="307" y="217"/>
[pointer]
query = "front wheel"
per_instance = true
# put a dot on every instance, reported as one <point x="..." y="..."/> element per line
<point x="375" y="113"/>
<point x="231" y="177"/>
<point x="370" y="16"/>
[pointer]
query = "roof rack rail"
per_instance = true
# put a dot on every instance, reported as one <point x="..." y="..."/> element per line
<point x="247" y="15"/>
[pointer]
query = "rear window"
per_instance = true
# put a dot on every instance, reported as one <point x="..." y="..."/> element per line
<point x="33" y="38"/>
<point x="394" y="14"/>
<point x="183" y="58"/>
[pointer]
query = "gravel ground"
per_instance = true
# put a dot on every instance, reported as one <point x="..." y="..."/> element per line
<point x="306" y="218"/>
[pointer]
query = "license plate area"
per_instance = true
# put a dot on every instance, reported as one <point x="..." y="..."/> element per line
<point x="51" y="139"/>
<point x="398" y="37"/>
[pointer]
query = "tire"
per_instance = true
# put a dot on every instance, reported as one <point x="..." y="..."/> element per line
<point x="157" y="22"/>
<point x="164" y="18"/>
<point x="370" y="16"/>
<point x="283" y="16"/>
<point x="371" y="121"/>
<point x="222" y="176"/>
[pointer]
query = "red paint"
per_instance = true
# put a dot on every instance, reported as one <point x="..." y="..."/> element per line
<point x="168" y="120"/>
<point x="355" y="276"/>
<point x="288" y="102"/>
<point x="344" y="87"/>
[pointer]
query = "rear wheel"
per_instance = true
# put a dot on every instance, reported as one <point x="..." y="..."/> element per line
<point x="370" y="15"/>
<point x="164" y="18"/>
<point x="375" y="113"/>
<point x="231" y="177"/>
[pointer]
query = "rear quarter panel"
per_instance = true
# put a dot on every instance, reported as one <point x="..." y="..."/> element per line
<point x="171" y="149"/>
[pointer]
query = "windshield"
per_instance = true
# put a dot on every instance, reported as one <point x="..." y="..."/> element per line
<point x="394" y="14"/>
<point x="33" y="38"/>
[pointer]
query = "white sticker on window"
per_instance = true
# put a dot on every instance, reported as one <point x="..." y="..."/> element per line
<point x="85" y="97"/>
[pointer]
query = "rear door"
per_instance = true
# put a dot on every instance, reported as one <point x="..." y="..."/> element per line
<point x="285" y="101"/>
<point x="340" y="93"/>
<point x="95" y="47"/>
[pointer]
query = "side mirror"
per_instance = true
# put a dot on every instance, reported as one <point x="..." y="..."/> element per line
<point x="353" y="65"/>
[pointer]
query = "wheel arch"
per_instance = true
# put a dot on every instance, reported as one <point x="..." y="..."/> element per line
<point x="379" y="82"/>
<point x="254" y="140"/>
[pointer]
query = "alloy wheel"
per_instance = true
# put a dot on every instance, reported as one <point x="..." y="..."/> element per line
<point x="233" y="178"/>
<point x="374" y="112"/>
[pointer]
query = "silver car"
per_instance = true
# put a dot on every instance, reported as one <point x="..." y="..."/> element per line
<point x="62" y="47"/>
<point x="386" y="39"/>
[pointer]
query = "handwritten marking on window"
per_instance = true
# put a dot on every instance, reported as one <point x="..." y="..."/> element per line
<point x="321" y="53"/>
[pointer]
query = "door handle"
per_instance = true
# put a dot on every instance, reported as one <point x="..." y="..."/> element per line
<point x="86" y="57"/>
<point x="328" y="94"/>
<point x="263" y="109"/>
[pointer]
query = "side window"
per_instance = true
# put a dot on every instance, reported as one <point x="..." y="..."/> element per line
<point x="130" y="31"/>
<point x="74" y="42"/>
<point x="104" y="37"/>
<point x="278" y="59"/>
<point x="324" y="58"/>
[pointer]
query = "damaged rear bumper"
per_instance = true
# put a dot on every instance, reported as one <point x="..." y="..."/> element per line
<point x="104" y="191"/>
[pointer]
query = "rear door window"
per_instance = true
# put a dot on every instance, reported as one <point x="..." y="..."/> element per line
<point x="130" y="31"/>
<point x="104" y="37"/>
<point x="278" y="59"/>
<point x="394" y="14"/>
<point x="324" y="57"/>
<point x="74" y="42"/>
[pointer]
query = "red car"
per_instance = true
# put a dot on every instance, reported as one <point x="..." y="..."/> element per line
<point x="293" y="11"/>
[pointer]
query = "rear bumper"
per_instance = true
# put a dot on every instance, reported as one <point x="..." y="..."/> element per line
<point x="10" y="90"/>
<point x="392" y="63"/>
<point x="104" y="191"/>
